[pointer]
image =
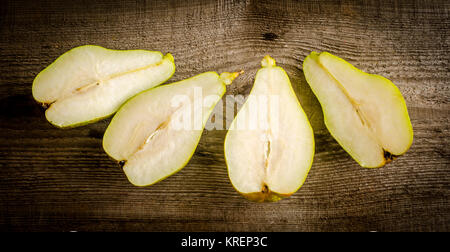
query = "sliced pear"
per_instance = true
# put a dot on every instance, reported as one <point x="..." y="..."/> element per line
<point x="155" y="134"/>
<point x="269" y="148"/>
<point x="365" y="113"/>
<point x="89" y="83"/>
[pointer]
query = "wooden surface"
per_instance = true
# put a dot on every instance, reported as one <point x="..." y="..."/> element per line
<point x="61" y="180"/>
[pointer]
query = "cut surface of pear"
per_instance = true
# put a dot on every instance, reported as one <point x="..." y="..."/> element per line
<point x="365" y="113"/>
<point x="155" y="134"/>
<point x="89" y="83"/>
<point x="269" y="147"/>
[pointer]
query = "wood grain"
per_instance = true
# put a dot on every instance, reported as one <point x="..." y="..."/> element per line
<point x="61" y="180"/>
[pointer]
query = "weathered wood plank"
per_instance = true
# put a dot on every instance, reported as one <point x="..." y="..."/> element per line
<point x="53" y="179"/>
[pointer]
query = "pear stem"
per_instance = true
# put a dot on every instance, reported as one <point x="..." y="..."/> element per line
<point x="268" y="61"/>
<point x="169" y="56"/>
<point x="228" y="78"/>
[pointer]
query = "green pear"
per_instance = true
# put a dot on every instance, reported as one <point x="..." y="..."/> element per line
<point x="269" y="147"/>
<point x="155" y="134"/>
<point x="89" y="83"/>
<point x="365" y="113"/>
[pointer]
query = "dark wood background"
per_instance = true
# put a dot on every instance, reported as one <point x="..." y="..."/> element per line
<point x="61" y="180"/>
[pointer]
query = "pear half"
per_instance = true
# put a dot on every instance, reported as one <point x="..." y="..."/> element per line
<point x="269" y="147"/>
<point x="89" y="83"/>
<point x="365" y="113"/>
<point x="155" y="134"/>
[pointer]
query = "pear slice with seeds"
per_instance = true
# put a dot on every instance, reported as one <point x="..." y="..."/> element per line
<point x="89" y="83"/>
<point x="365" y="113"/>
<point x="269" y="147"/>
<point x="155" y="134"/>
